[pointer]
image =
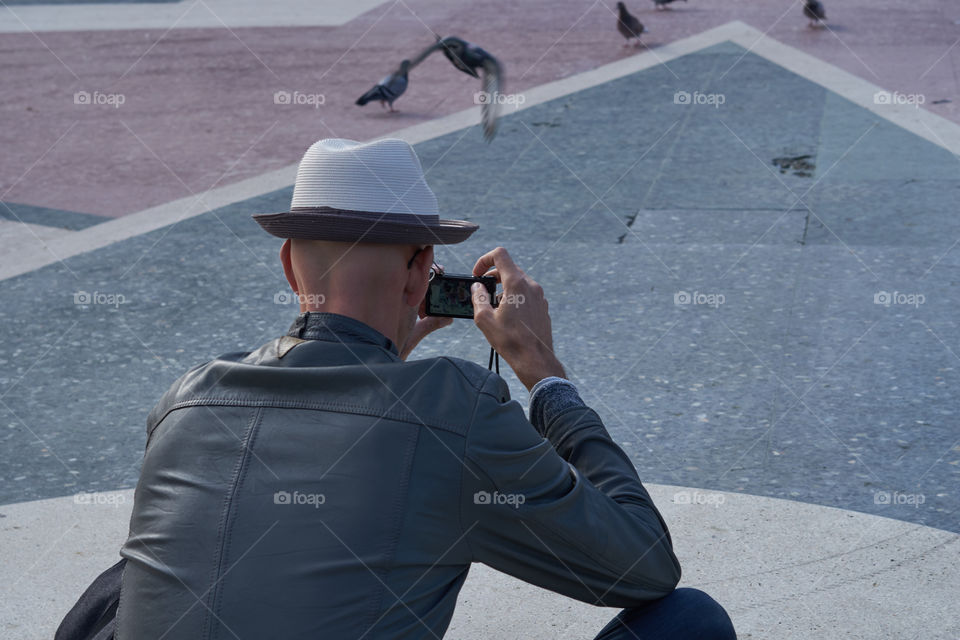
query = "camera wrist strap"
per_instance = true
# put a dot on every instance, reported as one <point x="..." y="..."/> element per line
<point x="494" y="357"/>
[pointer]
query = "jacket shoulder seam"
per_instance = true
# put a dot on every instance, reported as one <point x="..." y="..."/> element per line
<point x="225" y="526"/>
<point x="398" y="529"/>
<point x="458" y="365"/>
<point x="400" y="416"/>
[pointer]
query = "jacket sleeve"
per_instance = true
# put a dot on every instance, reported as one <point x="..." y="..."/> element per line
<point x="567" y="511"/>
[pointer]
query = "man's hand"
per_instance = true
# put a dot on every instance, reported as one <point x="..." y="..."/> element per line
<point x="425" y="324"/>
<point x="519" y="329"/>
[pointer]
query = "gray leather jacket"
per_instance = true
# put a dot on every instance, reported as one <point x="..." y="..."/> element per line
<point x="320" y="487"/>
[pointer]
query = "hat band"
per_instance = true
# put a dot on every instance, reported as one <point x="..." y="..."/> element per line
<point x="426" y="220"/>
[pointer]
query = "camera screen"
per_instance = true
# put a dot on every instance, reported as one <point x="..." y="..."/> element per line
<point x="451" y="296"/>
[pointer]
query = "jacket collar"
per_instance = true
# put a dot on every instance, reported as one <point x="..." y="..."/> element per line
<point x="333" y="327"/>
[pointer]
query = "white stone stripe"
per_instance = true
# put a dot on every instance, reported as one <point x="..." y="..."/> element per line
<point x="775" y="565"/>
<point x="185" y="14"/>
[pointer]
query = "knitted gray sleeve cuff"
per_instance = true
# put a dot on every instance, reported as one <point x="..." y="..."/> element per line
<point x="549" y="398"/>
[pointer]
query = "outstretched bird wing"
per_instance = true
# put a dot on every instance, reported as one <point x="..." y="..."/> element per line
<point x="420" y="57"/>
<point x="492" y="84"/>
<point x="457" y="52"/>
<point x="453" y="48"/>
<point x="468" y="58"/>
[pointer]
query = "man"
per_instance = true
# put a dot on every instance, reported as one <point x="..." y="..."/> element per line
<point x="324" y="486"/>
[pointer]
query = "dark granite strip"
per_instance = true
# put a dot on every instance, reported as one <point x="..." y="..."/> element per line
<point x="73" y="220"/>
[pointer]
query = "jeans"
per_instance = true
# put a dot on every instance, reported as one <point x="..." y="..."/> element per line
<point x="685" y="614"/>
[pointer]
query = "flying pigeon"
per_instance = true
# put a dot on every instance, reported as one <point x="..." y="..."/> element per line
<point x="815" y="12"/>
<point x="662" y="4"/>
<point x="468" y="58"/>
<point x="388" y="89"/>
<point x="628" y="25"/>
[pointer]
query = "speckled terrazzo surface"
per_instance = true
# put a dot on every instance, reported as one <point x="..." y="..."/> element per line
<point x="720" y="315"/>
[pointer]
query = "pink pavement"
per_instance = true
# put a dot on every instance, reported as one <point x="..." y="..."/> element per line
<point x="199" y="108"/>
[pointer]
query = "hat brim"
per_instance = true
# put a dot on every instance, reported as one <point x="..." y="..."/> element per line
<point x="338" y="225"/>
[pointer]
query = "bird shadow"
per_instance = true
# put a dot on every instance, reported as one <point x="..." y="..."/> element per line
<point x="836" y="28"/>
<point x="672" y="10"/>
<point x="632" y="50"/>
<point x="399" y="115"/>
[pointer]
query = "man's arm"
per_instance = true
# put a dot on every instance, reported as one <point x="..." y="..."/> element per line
<point x="567" y="513"/>
<point x="556" y="502"/>
<point x="558" y="413"/>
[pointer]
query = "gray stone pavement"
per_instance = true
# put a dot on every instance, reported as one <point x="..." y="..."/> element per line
<point x="617" y="200"/>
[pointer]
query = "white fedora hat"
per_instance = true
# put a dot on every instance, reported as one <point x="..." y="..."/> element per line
<point x="363" y="192"/>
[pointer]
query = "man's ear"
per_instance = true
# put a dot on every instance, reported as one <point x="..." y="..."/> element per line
<point x="416" y="286"/>
<point x="288" y="265"/>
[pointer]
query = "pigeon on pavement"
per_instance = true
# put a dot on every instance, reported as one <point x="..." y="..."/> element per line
<point x="628" y="25"/>
<point x="662" y="4"/>
<point x="815" y="12"/>
<point x="469" y="58"/>
<point x="388" y="89"/>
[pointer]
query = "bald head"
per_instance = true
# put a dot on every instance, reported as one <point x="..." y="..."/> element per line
<point x="365" y="281"/>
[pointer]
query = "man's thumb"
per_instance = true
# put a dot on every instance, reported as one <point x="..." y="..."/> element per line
<point x="481" y="299"/>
